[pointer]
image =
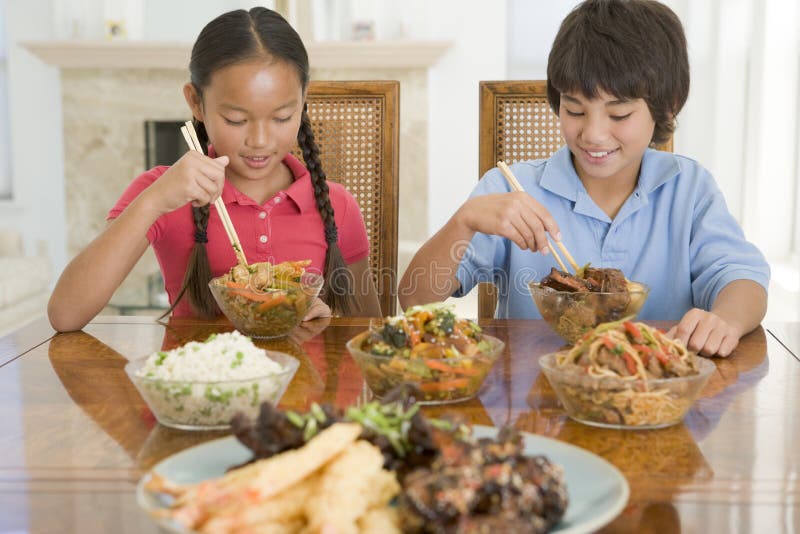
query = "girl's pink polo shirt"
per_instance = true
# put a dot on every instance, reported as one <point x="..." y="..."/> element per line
<point x="286" y="227"/>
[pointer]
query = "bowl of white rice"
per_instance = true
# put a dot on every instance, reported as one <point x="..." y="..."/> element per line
<point x="202" y="385"/>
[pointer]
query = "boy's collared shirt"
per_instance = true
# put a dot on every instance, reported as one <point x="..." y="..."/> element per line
<point x="674" y="233"/>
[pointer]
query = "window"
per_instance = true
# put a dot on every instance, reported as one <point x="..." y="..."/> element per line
<point x="5" y="138"/>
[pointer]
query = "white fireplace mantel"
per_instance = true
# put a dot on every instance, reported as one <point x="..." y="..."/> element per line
<point x="166" y="55"/>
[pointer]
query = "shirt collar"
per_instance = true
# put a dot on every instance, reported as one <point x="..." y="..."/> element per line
<point x="559" y="176"/>
<point x="301" y="193"/>
<point x="658" y="168"/>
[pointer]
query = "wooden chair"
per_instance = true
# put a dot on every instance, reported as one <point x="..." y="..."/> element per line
<point x="516" y="124"/>
<point x="356" y="125"/>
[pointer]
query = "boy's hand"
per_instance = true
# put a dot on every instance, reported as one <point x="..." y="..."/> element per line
<point x="194" y="178"/>
<point x="706" y="333"/>
<point x="516" y="216"/>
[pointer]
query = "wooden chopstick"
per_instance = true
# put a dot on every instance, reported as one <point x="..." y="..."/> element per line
<point x="567" y="255"/>
<point x="193" y="142"/>
<point x="515" y="185"/>
<point x="556" y="256"/>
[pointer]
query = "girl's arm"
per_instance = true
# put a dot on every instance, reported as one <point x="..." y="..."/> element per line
<point x="90" y="279"/>
<point x="738" y="309"/>
<point x="431" y="275"/>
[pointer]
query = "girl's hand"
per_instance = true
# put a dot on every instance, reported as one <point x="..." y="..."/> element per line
<point x="706" y="333"/>
<point x="318" y="309"/>
<point x="516" y="216"/>
<point x="315" y="321"/>
<point x="194" y="178"/>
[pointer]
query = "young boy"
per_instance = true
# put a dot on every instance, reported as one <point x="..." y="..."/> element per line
<point x="618" y="74"/>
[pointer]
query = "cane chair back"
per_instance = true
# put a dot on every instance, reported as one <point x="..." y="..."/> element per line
<point x="356" y="126"/>
<point x="516" y="124"/>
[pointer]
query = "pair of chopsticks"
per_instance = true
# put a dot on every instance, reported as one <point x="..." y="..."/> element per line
<point x="512" y="181"/>
<point x="190" y="135"/>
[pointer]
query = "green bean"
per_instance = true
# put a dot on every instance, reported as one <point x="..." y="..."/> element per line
<point x="317" y="412"/>
<point x="295" y="418"/>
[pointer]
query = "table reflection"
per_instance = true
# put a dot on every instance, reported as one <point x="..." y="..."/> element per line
<point x="93" y="376"/>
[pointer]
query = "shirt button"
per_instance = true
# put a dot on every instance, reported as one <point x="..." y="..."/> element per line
<point x="262" y="215"/>
<point x="277" y="200"/>
<point x="263" y="239"/>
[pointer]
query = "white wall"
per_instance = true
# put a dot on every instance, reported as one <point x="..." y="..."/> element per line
<point x="741" y="119"/>
<point x="532" y="26"/>
<point x="477" y="29"/>
<point x="37" y="208"/>
<point x="491" y="41"/>
<point x="182" y="20"/>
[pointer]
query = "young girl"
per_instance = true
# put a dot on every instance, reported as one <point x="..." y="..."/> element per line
<point x="249" y="73"/>
<point x="618" y="74"/>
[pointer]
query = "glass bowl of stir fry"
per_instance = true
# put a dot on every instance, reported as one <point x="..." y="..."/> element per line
<point x="574" y="304"/>
<point x="627" y="375"/>
<point x="444" y="357"/>
<point x="265" y="300"/>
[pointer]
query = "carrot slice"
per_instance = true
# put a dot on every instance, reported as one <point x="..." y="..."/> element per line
<point x="629" y="363"/>
<point x="633" y="330"/>
<point x="448" y="385"/>
<point x="258" y="297"/>
<point x="278" y="298"/>
<point x="439" y="365"/>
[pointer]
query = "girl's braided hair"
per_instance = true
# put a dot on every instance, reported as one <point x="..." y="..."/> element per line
<point x="233" y="37"/>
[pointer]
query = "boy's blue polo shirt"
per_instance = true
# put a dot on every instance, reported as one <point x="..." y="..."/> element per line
<point x="674" y="233"/>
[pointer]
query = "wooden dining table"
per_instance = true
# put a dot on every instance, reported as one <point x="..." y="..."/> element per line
<point x="76" y="436"/>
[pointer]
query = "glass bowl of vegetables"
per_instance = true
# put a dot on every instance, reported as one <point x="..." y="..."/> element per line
<point x="265" y="300"/>
<point x="445" y="358"/>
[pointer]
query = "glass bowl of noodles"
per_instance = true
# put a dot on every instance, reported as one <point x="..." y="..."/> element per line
<point x="626" y="375"/>
<point x="574" y="304"/>
<point x="265" y="300"/>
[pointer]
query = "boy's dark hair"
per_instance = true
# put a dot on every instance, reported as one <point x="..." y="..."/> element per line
<point x="627" y="48"/>
<point x="232" y="38"/>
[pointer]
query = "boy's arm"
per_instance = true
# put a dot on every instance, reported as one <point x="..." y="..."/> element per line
<point x="517" y="216"/>
<point x="431" y="275"/>
<point x="738" y="309"/>
<point x="742" y="304"/>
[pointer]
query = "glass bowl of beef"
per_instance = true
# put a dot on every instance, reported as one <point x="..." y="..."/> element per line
<point x="445" y="358"/>
<point x="264" y="300"/>
<point x="574" y="304"/>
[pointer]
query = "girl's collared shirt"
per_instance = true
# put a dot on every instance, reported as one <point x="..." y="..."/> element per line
<point x="674" y="233"/>
<point x="286" y="227"/>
